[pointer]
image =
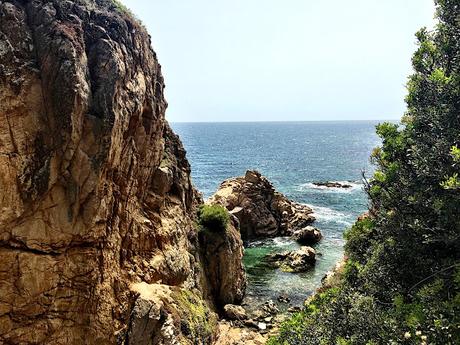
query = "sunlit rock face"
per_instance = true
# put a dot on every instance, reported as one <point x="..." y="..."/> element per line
<point x="95" y="191"/>
<point x="259" y="208"/>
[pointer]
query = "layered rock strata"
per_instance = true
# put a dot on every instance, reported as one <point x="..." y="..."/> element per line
<point x="260" y="210"/>
<point x="97" y="236"/>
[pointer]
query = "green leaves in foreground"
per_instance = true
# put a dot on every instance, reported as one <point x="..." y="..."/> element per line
<point x="401" y="281"/>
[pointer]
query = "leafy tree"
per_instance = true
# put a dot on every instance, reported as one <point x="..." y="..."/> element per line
<point x="401" y="282"/>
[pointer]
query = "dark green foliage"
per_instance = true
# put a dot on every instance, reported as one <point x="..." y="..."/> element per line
<point x="401" y="283"/>
<point x="213" y="217"/>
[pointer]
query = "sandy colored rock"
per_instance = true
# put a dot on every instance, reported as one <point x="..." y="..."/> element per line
<point x="169" y="315"/>
<point x="261" y="211"/>
<point x="223" y="265"/>
<point x="95" y="190"/>
<point x="234" y="312"/>
<point x="295" y="261"/>
<point x="230" y="335"/>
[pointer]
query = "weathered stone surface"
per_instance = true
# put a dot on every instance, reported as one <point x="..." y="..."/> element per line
<point x="222" y="259"/>
<point x="261" y="211"/>
<point x="95" y="191"/>
<point x="307" y="236"/>
<point x="234" y="312"/>
<point x="169" y="315"/>
<point x="231" y="335"/>
<point x="296" y="261"/>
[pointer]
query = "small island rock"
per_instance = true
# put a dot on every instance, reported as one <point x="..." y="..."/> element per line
<point x="261" y="211"/>
<point x="296" y="261"/>
<point x="307" y="236"/>
<point x="332" y="184"/>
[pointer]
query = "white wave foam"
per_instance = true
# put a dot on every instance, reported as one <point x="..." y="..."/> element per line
<point x="274" y="241"/>
<point x="282" y="241"/>
<point x="354" y="186"/>
<point x="329" y="215"/>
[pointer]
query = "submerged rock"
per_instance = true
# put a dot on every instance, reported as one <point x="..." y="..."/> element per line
<point x="283" y="298"/>
<point x="307" y="236"/>
<point x="296" y="261"/>
<point x="261" y="211"/>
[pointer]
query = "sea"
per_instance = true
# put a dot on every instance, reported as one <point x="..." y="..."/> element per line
<point x="292" y="155"/>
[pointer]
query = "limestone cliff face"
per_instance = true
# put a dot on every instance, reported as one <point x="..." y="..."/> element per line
<point x="96" y="228"/>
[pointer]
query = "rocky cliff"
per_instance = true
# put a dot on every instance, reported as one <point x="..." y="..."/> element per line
<point x="260" y="210"/>
<point x="97" y="240"/>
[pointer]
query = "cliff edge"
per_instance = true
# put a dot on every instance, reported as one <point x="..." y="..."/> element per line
<point x="97" y="236"/>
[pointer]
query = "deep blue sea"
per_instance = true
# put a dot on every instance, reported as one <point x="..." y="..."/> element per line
<point x="292" y="155"/>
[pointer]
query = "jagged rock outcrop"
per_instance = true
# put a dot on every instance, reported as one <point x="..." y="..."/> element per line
<point x="261" y="211"/>
<point x="95" y="191"/>
<point x="223" y="264"/>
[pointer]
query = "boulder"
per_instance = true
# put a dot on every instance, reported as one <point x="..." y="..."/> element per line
<point x="307" y="236"/>
<point x="270" y="307"/>
<point x="234" y="312"/>
<point x="296" y="261"/>
<point x="260" y="209"/>
<point x="262" y="326"/>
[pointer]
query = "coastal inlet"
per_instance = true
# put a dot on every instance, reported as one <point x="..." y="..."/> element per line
<point x="293" y="156"/>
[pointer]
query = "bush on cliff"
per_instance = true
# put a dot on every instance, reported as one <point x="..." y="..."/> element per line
<point x="401" y="283"/>
<point x="213" y="217"/>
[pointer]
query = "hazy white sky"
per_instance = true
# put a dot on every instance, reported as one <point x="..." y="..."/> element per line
<point x="266" y="60"/>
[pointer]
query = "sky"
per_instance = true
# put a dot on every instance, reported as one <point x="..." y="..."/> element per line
<point x="291" y="60"/>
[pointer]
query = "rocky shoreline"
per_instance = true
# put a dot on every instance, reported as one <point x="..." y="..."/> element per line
<point x="259" y="211"/>
<point x="99" y="240"/>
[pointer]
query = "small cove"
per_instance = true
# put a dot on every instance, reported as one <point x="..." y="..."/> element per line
<point x="292" y="156"/>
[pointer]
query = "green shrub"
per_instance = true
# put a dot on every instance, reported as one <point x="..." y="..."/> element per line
<point x="401" y="282"/>
<point x="213" y="217"/>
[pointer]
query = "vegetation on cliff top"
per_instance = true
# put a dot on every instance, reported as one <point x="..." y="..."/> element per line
<point x="401" y="282"/>
<point x="213" y="218"/>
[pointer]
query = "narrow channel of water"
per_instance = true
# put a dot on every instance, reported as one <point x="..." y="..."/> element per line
<point x="267" y="283"/>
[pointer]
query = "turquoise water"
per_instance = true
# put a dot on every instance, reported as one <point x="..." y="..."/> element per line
<point x="292" y="155"/>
